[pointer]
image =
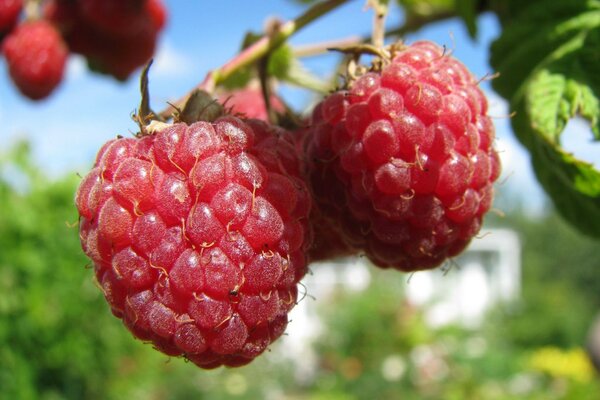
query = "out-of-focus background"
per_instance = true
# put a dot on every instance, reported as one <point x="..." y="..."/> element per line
<point x="507" y="320"/>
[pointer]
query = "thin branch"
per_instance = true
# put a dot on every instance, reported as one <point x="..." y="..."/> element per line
<point x="316" y="49"/>
<point x="259" y="49"/>
<point x="380" y="9"/>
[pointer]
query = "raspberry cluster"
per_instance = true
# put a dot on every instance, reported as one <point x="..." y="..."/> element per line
<point x="200" y="231"/>
<point x="115" y="36"/>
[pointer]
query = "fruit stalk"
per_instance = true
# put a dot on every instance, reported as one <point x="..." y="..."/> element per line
<point x="316" y="49"/>
<point x="380" y="10"/>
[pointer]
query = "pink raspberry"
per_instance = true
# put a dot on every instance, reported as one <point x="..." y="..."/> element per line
<point x="402" y="162"/>
<point x="249" y="103"/>
<point x="197" y="235"/>
<point x="36" y="56"/>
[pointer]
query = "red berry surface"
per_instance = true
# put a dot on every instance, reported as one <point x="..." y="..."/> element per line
<point x="402" y="162"/>
<point x="123" y="17"/>
<point x="328" y="242"/>
<point x="197" y="234"/>
<point x="36" y="56"/>
<point x="9" y="14"/>
<point x="116" y="37"/>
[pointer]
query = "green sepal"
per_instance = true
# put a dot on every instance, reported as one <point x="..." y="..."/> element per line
<point x="200" y="106"/>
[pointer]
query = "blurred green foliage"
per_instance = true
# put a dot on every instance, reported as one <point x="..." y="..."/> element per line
<point x="58" y="339"/>
<point x="561" y="282"/>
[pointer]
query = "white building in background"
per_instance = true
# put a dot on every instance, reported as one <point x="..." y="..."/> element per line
<point x="486" y="274"/>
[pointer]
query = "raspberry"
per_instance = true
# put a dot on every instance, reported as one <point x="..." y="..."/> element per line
<point x="118" y="57"/>
<point x="110" y="45"/>
<point x="36" y="57"/>
<point x="402" y="161"/>
<point x="249" y="103"/>
<point x="9" y="15"/>
<point x="123" y="17"/>
<point x="327" y="243"/>
<point x="197" y="234"/>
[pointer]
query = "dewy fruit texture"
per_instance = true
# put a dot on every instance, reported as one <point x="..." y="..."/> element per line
<point x="197" y="234"/>
<point x="402" y="162"/>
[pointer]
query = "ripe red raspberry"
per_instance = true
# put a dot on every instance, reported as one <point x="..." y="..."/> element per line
<point x="197" y="234"/>
<point x="36" y="56"/>
<point x="327" y="243"/>
<point x="119" y="51"/>
<point x="9" y="15"/>
<point x="403" y="162"/>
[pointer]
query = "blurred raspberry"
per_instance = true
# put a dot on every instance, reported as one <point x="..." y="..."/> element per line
<point x="118" y="39"/>
<point x="9" y="15"/>
<point x="36" y="56"/>
<point x="120" y="17"/>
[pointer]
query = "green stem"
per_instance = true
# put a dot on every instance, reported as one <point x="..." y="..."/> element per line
<point x="259" y="49"/>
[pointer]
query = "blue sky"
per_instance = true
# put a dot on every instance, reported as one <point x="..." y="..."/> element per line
<point x="67" y="129"/>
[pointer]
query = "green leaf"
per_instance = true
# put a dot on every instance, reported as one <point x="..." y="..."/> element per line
<point x="284" y="66"/>
<point x="200" y="106"/>
<point x="558" y="93"/>
<point x="425" y="8"/>
<point x="467" y="10"/>
<point x="532" y="38"/>
<point x="239" y="79"/>
<point x="573" y="185"/>
<point x="548" y="57"/>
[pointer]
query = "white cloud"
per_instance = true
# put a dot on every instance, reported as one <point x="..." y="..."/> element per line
<point x="168" y="61"/>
